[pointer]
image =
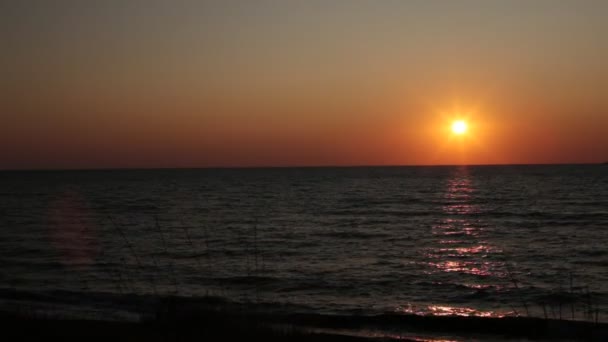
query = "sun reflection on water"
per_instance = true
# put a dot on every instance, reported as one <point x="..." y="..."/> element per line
<point x="468" y="267"/>
<point x="447" y="310"/>
<point x="461" y="255"/>
<point x="461" y="244"/>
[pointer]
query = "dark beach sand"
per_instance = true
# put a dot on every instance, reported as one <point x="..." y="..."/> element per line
<point x="176" y="321"/>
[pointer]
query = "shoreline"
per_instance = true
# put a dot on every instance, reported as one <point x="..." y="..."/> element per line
<point x="177" y="319"/>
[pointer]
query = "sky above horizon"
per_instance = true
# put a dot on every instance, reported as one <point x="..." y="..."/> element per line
<point x="105" y="84"/>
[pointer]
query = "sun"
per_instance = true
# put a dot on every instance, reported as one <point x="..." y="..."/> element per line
<point x="459" y="127"/>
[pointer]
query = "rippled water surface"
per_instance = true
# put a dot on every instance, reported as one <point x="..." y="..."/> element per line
<point x="488" y="240"/>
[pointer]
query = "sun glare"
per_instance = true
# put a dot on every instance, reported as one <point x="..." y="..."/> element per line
<point x="459" y="127"/>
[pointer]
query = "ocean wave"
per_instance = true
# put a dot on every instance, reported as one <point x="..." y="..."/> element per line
<point x="352" y="235"/>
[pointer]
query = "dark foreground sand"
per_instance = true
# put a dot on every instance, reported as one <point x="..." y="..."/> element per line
<point x="20" y="329"/>
<point x="176" y="322"/>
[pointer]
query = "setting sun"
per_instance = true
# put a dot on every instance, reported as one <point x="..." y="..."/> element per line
<point x="459" y="127"/>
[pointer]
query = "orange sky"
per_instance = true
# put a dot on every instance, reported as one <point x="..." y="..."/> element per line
<point x="154" y="84"/>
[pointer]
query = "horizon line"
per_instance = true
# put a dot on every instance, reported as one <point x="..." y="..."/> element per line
<point x="235" y="167"/>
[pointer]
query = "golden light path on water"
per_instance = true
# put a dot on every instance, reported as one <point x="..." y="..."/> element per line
<point x="461" y="248"/>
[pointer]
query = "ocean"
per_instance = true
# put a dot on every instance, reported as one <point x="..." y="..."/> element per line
<point x="526" y="240"/>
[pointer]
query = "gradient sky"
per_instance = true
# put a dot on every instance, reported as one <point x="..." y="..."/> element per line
<point x="88" y="84"/>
